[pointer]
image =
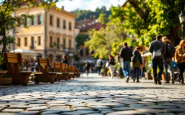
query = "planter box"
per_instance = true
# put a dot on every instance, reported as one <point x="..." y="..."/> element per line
<point x="5" y="81"/>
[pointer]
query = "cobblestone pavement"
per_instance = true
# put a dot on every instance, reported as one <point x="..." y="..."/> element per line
<point x="93" y="95"/>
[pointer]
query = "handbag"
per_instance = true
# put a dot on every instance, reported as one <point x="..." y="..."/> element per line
<point x="107" y="65"/>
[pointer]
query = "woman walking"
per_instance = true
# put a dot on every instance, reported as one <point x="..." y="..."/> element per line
<point x="180" y="59"/>
<point x="137" y="62"/>
<point x="111" y="65"/>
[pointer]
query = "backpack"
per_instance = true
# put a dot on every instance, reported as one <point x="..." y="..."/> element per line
<point x="101" y="63"/>
<point x="135" y="58"/>
<point x="170" y="50"/>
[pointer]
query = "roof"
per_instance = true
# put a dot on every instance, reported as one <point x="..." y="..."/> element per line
<point x="96" y="26"/>
<point x="84" y="22"/>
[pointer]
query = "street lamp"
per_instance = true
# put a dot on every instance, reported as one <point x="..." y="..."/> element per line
<point x="182" y="21"/>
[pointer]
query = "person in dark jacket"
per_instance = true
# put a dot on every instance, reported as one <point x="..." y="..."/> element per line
<point x="126" y="54"/>
<point x="87" y="67"/>
<point x="137" y="62"/>
<point x="157" y="48"/>
<point x="64" y="59"/>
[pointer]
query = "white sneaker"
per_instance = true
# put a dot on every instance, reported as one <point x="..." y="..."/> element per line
<point x="127" y="80"/>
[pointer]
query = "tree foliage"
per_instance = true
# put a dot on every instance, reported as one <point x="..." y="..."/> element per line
<point x="101" y="42"/>
<point x="146" y="18"/>
<point x="82" y="14"/>
<point x="81" y="38"/>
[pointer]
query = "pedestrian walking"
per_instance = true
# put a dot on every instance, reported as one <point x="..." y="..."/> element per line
<point x="126" y="54"/>
<point x="99" y="65"/>
<point x="111" y="64"/>
<point x="157" y="48"/>
<point x="137" y="62"/>
<point x="87" y="67"/>
<point x="64" y="59"/>
<point x="170" y="51"/>
<point x="180" y="59"/>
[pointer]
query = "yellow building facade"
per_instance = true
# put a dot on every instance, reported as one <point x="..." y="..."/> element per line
<point x="49" y="32"/>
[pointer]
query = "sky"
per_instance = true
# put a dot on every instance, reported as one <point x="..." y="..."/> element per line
<point x="70" y="5"/>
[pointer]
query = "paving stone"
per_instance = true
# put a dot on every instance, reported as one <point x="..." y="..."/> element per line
<point x="94" y="95"/>
<point x="37" y="108"/>
<point x="128" y="112"/>
<point x="12" y="110"/>
<point x="29" y="113"/>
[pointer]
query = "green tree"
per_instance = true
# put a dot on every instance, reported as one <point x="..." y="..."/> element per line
<point x="82" y="14"/>
<point x="146" y="18"/>
<point x="102" y="41"/>
<point x="103" y="18"/>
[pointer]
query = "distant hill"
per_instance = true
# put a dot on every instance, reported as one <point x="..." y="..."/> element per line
<point x="87" y="14"/>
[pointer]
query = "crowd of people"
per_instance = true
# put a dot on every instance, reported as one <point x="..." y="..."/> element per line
<point x="163" y="56"/>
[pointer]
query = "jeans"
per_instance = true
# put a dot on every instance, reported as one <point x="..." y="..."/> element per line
<point x="168" y="64"/>
<point x="136" y="73"/>
<point x="98" y="70"/>
<point x="155" y="64"/>
<point x="181" y="67"/>
<point x="111" y="68"/>
<point x="126" y="68"/>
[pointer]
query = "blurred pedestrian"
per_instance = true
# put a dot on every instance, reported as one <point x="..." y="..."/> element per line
<point x="111" y="64"/>
<point x="87" y="67"/>
<point x="180" y="59"/>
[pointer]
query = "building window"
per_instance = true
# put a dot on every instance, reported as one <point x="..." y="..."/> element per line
<point x="32" y="43"/>
<point x="18" y="22"/>
<point x="70" y="26"/>
<point x="39" y="19"/>
<point x="64" y="24"/>
<point x="19" y="42"/>
<point x="64" y="43"/>
<point x="25" y="21"/>
<point x="51" y="41"/>
<point x="39" y="40"/>
<point x="58" y="22"/>
<point x="25" y="41"/>
<point x="33" y="20"/>
<point x="81" y="52"/>
<point x="28" y="21"/>
<point x="51" y="20"/>
<point x="58" y="43"/>
<point x="69" y="44"/>
<point x="87" y="52"/>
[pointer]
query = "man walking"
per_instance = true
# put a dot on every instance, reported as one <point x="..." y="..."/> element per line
<point x="157" y="48"/>
<point x="126" y="54"/>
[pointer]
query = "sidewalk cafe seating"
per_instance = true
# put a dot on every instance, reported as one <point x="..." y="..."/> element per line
<point x="14" y="61"/>
<point x="46" y="76"/>
<point x="73" y="69"/>
<point x="3" y="80"/>
<point x="59" y="68"/>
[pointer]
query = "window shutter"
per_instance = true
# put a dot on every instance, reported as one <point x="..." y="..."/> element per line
<point x="28" y="21"/>
<point x="41" y="18"/>
<point x="35" y="23"/>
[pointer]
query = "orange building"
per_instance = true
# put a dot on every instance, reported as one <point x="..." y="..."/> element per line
<point x="50" y="32"/>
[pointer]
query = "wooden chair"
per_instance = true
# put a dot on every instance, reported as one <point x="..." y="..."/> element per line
<point x="46" y="76"/>
<point x="4" y="81"/>
<point x="77" y="71"/>
<point x="59" y="69"/>
<point x="14" y="61"/>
